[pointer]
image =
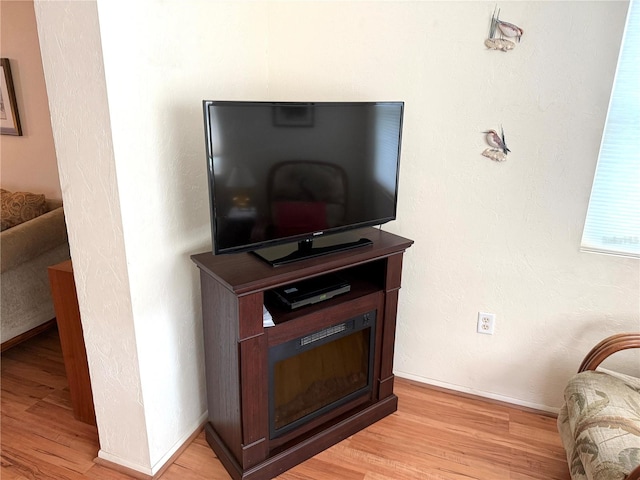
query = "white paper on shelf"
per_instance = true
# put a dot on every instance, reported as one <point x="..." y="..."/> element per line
<point x="267" y="319"/>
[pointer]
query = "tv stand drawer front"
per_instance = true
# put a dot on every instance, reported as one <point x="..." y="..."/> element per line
<point x="320" y="319"/>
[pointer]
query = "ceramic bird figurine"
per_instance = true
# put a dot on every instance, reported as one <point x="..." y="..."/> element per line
<point x="496" y="141"/>
<point x="509" y="29"/>
<point x="506" y="29"/>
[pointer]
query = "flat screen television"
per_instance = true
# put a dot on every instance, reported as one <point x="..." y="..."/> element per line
<point x="293" y="180"/>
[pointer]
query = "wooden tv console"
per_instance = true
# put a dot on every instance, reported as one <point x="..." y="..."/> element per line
<point x="236" y="349"/>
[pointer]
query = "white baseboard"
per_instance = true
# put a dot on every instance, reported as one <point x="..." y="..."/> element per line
<point x="479" y="393"/>
<point x="121" y="465"/>
<point x="179" y="444"/>
<point x="151" y="471"/>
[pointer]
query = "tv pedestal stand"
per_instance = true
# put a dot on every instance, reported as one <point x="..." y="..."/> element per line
<point x="237" y="350"/>
<point x="283" y="254"/>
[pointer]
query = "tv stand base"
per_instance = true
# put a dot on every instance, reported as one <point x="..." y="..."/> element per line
<point x="289" y="253"/>
<point x="293" y="455"/>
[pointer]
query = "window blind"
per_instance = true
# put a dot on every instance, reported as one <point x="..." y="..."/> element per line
<point x="612" y="225"/>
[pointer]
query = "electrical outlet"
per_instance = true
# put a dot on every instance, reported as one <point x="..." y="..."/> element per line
<point x="486" y="323"/>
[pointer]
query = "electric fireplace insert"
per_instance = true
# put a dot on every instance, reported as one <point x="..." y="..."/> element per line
<point x="312" y="375"/>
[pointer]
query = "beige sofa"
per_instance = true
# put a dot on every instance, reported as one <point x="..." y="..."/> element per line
<point x="27" y="249"/>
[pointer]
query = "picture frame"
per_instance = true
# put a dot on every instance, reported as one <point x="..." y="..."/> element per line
<point x="9" y="118"/>
<point x="293" y="115"/>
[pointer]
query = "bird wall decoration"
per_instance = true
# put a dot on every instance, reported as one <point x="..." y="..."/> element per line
<point x="498" y="144"/>
<point x="505" y="29"/>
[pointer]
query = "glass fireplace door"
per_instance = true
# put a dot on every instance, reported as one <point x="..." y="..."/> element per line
<point x="311" y="375"/>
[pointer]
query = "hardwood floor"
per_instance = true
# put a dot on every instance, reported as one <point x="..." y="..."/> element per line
<point x="434" y="435"/>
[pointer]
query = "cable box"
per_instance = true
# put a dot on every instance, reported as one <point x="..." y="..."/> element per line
<point x="313" y="290"/>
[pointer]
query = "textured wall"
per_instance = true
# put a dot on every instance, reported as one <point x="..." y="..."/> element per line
<point x="504" y="237"/>
<point x="74" y="73"/>
<point x="28" y="161"/>
<point x="494" y="237"/>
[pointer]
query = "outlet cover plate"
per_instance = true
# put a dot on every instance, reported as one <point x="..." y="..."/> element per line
<point x="486" y="323"/>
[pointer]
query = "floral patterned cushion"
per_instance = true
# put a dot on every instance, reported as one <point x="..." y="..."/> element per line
<point x="600" y="425"/>
<point x="19" y="207"/>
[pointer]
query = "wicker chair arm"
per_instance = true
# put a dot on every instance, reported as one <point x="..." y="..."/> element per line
<point x="634" y="474"/>
<point x="606" y="347"/>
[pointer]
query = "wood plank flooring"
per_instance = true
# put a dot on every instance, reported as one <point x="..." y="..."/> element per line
<point x="434" y="435"/>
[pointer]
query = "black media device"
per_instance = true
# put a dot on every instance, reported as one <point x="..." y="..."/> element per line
<point x="289" y="181"/>
<point x="313" y="290"/>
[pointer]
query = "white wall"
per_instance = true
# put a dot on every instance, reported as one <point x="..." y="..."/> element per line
<point x="494" y="237"/>
<point x="74" y="74"/>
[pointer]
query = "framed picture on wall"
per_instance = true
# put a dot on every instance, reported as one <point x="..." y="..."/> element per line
<point x="9" y="119"/>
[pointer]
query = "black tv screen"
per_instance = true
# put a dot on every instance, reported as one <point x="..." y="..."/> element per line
<point x="289" y="172"/>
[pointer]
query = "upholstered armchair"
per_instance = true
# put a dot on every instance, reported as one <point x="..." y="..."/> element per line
<point x="600" y="421"/>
